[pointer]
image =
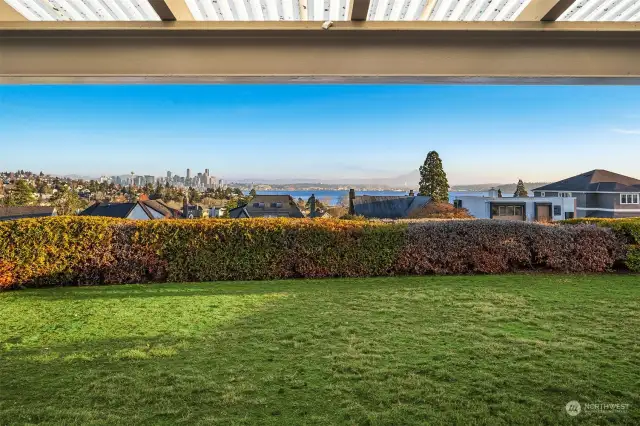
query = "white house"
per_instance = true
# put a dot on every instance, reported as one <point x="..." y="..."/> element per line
<point x="529" y="209"/>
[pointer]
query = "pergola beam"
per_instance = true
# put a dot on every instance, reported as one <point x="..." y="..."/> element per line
<point x="8" y="13"/>
<point x="484" y="52"/>
<point x="558" y="10"/>
<point x="162" y="9"/>
<point x="544" y="10"/>
<point x="360" y="10"/>
<point x="180" y="10"/>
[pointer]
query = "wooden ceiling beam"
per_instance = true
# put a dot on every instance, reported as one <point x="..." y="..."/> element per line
<point x="360" y="10"/>
<point x="8" y="13"/>
<point x="544" y="10"/>
<point x="180" y="10"/>
<point x="162" y="9"/>
<point x="418" y="52"/>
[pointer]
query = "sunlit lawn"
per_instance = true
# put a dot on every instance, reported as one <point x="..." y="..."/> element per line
<point x="437" y="350"/>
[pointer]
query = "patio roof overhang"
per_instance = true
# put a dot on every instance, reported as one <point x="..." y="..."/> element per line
<point x="525" y="44"/>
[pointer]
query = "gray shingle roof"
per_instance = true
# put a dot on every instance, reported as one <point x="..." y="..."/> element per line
<point x="387" y="207"/>
<point x="595" y="181"/>
<point x="162" y="208"/>
<point x="268" y="206"/>
<point x="120" y="210"/>
<point x="23" y="212"/>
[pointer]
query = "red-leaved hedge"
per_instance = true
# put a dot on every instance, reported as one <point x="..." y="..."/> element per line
<point x="627" y="231"/>
<point x="493" y="246"/>
<point x="90" y="251"/>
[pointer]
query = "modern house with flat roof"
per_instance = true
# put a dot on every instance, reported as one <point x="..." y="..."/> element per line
<point x="530" y="209"/>
<point x="598" y="193"/>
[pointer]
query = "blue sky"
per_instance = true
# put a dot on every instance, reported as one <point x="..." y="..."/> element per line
<point x="483" y="133"/>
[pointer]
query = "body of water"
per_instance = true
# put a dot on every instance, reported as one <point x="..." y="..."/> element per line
<point x="334" y="197"/>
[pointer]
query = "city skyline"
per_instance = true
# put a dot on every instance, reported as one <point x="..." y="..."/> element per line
<point x="321" y="133"/>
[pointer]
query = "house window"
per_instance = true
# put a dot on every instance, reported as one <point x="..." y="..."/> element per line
<point x="557" y="210"/>
<point x="568" y="215"/>
<point x="457" y="204"/>
<point x="543" y="194"/>
<point x="628" y="198"/>
<point x="506" y="210"/>
<point x="564" y="194"/>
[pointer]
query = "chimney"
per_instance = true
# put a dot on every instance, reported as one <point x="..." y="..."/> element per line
<point x="185" y="206"/>
<point x="493" y="193"/>
<point x="411" y="193"/>
<point x="312" y="206"/>
<point x="352" y="197"/>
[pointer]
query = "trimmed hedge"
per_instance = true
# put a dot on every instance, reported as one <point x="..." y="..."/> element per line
<point x="90" y="250"/>
<point x="492" y="246"/>
<point x="627" y="231"/>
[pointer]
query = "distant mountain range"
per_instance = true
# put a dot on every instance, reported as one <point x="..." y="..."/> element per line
<point x="408" y="180"/>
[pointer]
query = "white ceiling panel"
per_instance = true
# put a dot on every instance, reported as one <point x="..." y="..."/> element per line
<point x="269" y="10"/>
<point x="85" y="10"/>
<point x="446" y="10"/>
<point x="320" y="10"/>
<point x="603" y="10"/>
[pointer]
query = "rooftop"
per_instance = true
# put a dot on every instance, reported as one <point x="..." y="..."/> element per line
<point x="268" y="206"/>
<point x="595" y="181"/>
<point x="387" y="207"/>
<point x="23" y="212"/>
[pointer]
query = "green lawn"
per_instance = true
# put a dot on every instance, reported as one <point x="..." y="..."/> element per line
<point x="434" y="350"/>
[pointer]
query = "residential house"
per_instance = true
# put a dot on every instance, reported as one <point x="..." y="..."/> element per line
<point x="598" y="193"/>
<point x="24" y="212"/>
<point x="541" y="209"/>
<point x="268" y="206"/>
<point x="140" y="210"/>
<point x="385" y="207"/>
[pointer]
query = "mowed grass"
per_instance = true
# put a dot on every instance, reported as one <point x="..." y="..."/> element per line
<point x="412" y="350"/>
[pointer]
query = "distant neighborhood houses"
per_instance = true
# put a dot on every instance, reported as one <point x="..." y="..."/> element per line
<point x="596" y="193"/>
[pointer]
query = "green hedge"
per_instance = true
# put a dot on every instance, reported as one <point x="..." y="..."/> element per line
<point x="90" y="251"/>
<point x="627" y="231"/>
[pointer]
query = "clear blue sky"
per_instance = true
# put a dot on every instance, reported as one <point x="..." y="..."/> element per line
<point x="483" y="133"/>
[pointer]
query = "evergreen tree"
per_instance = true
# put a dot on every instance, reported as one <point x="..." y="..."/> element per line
<point x="252" y="193"/>
<point x="433" y="179"/>
<point x="22" y="195"/>
<point x="521" y="191"/>
<point x="499" y="193"/>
